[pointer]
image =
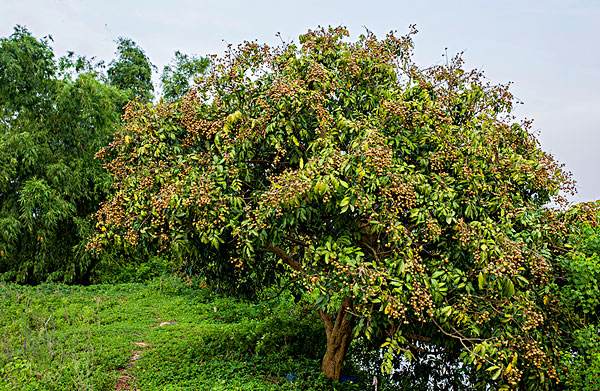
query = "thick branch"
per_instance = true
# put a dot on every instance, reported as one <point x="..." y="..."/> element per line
<point x="418" y="337"/>
<point x="327" y="321"/>
<point x="341" y="320"/>
<point x="295" y="241"/>
<point x="284" y="257"/>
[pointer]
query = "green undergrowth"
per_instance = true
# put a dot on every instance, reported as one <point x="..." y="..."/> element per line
<point x="57" y="337"/>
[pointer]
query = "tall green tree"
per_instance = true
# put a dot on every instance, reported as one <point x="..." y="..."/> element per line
<point x="404" y="202"/>
<point x="26" y="70"/>
<point x="178" y="76"/>
<point x="50" y="183"/>
<point x="131" y="71"/>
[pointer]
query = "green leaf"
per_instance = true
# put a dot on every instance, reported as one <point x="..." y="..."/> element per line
<point x="497" y="374"/>
<point x="345" y="201"/>
<point x="480" y="280"/>
<point x="508" y="288"/>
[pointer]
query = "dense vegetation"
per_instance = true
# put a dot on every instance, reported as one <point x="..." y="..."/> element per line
<point x="54" y="116"/>
<point x="57" y="337"/>
<point x="404" y="208"/>
<point x="579" y="290"/>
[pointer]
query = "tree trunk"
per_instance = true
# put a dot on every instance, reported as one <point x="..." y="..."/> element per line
<point x="339" y="335"/>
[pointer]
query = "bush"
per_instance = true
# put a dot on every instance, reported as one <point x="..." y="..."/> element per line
<point x="579" y="290"/>
<point x="122" y="269"/>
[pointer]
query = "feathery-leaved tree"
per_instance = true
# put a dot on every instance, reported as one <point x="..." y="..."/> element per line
<point x="131" y="71"/>
<point x="177" y="77"/>
<point x="53" y="117"/>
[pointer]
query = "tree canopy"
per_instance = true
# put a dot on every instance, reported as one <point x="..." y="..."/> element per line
<point x="53" y="119"/>
<point x="404" y="202"/>
<point x="177" y="77"/>
<point x="131" y="71"/>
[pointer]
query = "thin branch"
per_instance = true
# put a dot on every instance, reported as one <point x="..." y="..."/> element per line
<point x="364" y="243"/>
<point x="295" y="241"/>
<point x="462" y="342"/>
<point x="459" y="336"/>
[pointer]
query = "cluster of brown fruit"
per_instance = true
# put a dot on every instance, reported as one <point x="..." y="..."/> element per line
<point x="507" y="265"/>
<point x="533" y="319"/>
<point x="420" y="300"/>
<point x="463" y="233"/>
<point x="197" y="127"/>
<point x="285" y="189"/>
<point x="538" y="358"/>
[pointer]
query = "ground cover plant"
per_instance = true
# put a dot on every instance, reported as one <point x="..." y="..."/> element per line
<point x="163" y="335"/>
<point x="405" y="203"/>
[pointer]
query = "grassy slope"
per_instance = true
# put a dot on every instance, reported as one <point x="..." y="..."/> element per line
<point x="56" y="337"/>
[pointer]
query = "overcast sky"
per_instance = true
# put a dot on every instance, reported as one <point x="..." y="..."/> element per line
<point x="549" y="49"/>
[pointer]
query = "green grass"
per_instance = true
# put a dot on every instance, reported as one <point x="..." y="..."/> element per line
<point x="56" y="337"/>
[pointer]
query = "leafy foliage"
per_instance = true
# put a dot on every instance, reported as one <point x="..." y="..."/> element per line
<point x="50" y="128"/>
<point x="27" y="65"/>
<point x="581" y="266"/>
<point x="405" y="203"/>
<point x="578" y="290"/>
<point x="177" y="76"/>
<point x="131" y="71"/>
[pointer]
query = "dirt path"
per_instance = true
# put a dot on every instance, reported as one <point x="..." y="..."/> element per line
<point x="125" y="381"/>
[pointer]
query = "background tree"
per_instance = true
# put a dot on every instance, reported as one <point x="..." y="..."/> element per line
<point x="50" y="128"/>
<point x="27" y="65"/>
<point x="405" y="203"/>
<point x="578" y="289"/>
<point x="178" y="76"/>
<point x="131" y="71"/>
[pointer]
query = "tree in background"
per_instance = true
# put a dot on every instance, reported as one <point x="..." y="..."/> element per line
<point x="178" y="76"/>
<point x="131" y="71"/>
<point x="26" y="72"/>
<point x="405" y="203"/>
<point x="578" y="290"/>
<point x="54" y="116"/>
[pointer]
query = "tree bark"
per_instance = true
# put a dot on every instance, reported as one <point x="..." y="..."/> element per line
<point x="338" y="330"/>
<point x="339" y="336"/>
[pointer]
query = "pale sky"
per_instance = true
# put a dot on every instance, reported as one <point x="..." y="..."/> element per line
<point x="547" y="48"/>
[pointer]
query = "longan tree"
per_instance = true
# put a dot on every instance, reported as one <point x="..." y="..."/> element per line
<point x="405" y="202"/>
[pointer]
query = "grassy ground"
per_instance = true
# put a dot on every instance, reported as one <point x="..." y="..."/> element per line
<point x="157" y="336"/>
